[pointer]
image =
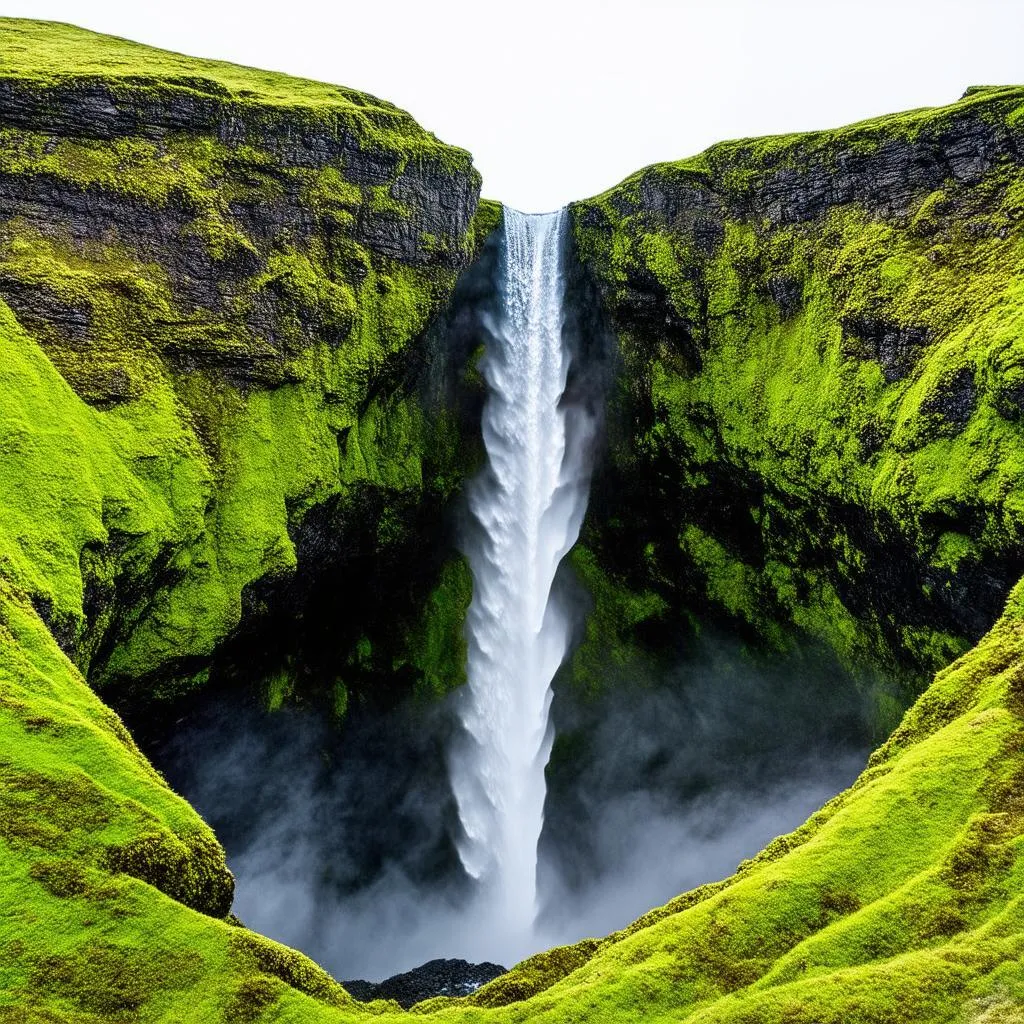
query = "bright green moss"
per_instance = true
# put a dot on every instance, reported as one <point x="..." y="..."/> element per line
<point x="488" y="218"/>
<point x="846" y="379"/>
<point x="180" y="170"/>
<point x="438" y="646"/>
<point x="90" y="796"/>
<point x="328" y="193"/>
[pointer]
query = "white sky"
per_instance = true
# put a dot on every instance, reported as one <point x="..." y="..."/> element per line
<point x="558" y="100"/>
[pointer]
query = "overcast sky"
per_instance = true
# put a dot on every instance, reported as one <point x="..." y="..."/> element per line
<point x="560" y="100"/>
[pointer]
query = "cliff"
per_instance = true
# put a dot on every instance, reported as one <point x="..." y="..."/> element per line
<point x="818" y="414"/>
<point x="221" y="280"/>
<point x="216" y="286"/>
<point x="815" y="441"/>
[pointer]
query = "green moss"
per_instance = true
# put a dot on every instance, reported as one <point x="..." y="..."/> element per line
<point x="801" y="438"/>
<point x="609" y="649"/>
<point x="488" y="218"/>
<point x="438" y="644"/>
<point x="278" y="688"/>
<point x="339" y="700"/>
<point x="296" y="970"/>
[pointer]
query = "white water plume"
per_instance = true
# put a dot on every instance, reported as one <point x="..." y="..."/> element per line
<point x="528" y="503"/>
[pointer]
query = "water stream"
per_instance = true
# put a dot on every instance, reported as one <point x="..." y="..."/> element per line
<point x="528" y="504"/>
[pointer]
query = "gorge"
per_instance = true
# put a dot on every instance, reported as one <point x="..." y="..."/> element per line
<point x="252" y="326"/>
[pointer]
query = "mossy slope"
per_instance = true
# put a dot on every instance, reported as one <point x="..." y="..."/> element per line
<point x="899" y="901"/>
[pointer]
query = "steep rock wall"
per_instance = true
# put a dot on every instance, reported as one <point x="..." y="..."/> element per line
<point x="234" y="272"/>
<point x="818" y="416"/>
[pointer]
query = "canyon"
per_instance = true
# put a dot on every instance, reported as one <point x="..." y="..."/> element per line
<point x="252" y="326"/>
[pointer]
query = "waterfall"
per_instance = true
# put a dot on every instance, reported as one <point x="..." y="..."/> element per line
<point x="528" y="504"/>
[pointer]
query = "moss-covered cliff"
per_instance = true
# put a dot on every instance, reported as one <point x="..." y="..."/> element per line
<point x="817" y="431"/>
<point x="815" y="441"/>
<point x="221" y="395"/>
<point x="216" y="286"/>
<point x="216" y="283"/>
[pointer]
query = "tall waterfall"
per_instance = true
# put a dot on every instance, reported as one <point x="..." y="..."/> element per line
<point x="528" y="504"/>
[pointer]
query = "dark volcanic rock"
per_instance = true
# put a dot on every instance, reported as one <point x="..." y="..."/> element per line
<point x="954" y="398"/>
<point x="788" y="293"/>
<point x="434" y="978"/>
<point x="894" y="346"/>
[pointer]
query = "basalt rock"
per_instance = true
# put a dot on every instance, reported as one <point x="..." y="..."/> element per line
<point x="894" y="346"/>
<point x="452" y="978"/>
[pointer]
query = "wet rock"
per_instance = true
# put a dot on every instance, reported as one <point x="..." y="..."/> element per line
<point x="229" y="308"/>
<point x="1009" y="399"/>
<point x="40" y="309"/>
<point x="646" y="308"/>
<point x="788" y="293"/>
<point x="895" y="347"/>
<point x="954" y="398"/>
<point x="434" y="978"/>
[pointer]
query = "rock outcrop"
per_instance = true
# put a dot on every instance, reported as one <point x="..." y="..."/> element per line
<point x="814" y="418"/>
<point x="451" y="978"/>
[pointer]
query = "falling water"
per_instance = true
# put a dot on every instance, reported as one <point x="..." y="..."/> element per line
<point x="528" y="504"/>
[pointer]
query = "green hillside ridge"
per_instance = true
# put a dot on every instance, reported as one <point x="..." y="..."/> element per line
<point x="43" y="55"/>
<point x="177" y="411"/>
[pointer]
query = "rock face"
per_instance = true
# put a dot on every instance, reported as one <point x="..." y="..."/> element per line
<point x="814" y="421"/>
<point x="235" y="272"/>
<point x="453" y="978"/>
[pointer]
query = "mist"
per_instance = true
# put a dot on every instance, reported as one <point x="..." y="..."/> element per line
<point x="343" y="839"/>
